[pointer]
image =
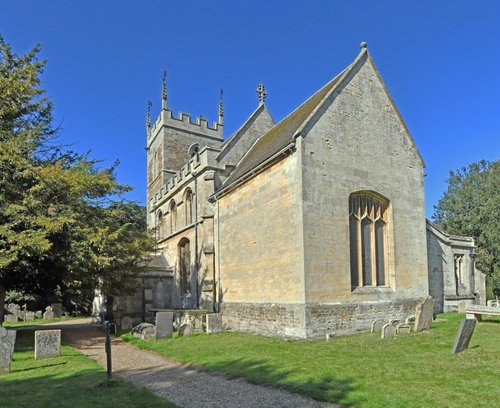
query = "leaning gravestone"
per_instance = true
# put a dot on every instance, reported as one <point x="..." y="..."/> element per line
<point x="164" y="325"/>
<point x="47" y="343"/>
<point x="7" y="342"/>
<point x="213" y="323"/>
<point x="388" y="330"/>
<point x="464" y="335"/>
<point x="423" y="314"/>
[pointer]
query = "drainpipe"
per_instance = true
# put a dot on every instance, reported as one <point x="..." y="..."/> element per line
<point x="472" y="285"/>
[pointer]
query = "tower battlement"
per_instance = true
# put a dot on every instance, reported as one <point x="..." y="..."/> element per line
<point x="184" y="122"/>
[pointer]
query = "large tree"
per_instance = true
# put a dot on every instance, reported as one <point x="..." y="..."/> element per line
<point x="471" y="206"/>
<point x="61" y="227"/>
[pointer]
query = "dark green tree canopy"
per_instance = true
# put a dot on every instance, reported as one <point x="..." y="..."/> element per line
<point x="471" y="206"/>
<point x="62" y="228"/>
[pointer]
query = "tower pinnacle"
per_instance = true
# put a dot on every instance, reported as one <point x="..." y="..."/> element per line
<point x="148" y="116"/>
<point x="164" y="89"/>
<point x="221" y="107"/>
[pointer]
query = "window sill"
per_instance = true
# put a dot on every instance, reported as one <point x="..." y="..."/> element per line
<point x="371" y="290"/>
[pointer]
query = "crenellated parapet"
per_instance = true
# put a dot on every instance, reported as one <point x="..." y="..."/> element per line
<point x="202" y="162"/>
<point x="183" y="121"/>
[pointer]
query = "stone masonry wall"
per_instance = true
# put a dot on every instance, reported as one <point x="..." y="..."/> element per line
<point x="358" y="143"/>
<point x="260" y="229"/>
<point x="265" y="318"/>
<point x="348" y="317"/>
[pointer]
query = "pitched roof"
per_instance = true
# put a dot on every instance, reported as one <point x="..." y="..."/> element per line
<point x="283" y="133"/>
<point x="236" y="136"/>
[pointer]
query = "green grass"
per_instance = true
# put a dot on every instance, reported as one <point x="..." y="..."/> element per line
<point x="362" y="370"/>
<point x="39" y="322"/>
<point x="71" y="380"/>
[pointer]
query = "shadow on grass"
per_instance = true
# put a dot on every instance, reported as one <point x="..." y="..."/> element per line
<point x="328" y="388"/>
<point x="38" y="367"/>
<point x="86" y="388"/>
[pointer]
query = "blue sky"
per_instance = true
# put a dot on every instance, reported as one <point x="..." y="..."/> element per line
<point x="439" y="60"/>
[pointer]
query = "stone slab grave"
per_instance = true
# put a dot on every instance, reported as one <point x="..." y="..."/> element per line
<point x="388" y="330"/>
<point x="214" y="323"/>
<point x="164" y="325"/>
<point x="144" y="331"/>
<point x="47" y="343"/>
<point x="464" y="334"/>
<point x="423" y="314"/>
<point x="7" y="342"/>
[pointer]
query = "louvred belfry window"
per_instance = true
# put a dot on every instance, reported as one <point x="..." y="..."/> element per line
<point x="367" y="235"/>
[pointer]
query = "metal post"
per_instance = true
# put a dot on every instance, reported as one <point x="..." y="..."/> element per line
<point x="108" y="351"/>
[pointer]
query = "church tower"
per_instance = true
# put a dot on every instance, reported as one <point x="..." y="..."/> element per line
<point x="173" y="140"/>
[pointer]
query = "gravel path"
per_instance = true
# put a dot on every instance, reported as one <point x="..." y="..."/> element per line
<point x="183" y="385"/>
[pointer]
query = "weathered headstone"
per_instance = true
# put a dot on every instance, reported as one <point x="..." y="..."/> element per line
<point x="144" y="331"/>
<point x="394" y="322"/>
<point x="126" y="323"/>
<point x="464" y="335"/>
<point x="164" y="325"/>
<point x="29" y="316"/>
<point x="10" y="318"/>
<point x="403" y="328"/>
<point x="38" y="314"/>
<point x="49" y="314"/>
<point x="213" y="323"/>
<point x="423" y="314"/>
<point x="388" y="330"/>
<point x="329" y="336"/>
<point x="57" y="309"/>
<point x="410" y="319"/>
<point x="7" y="342"/>
<point x="47" y="343"/>
<point x="377" y="326"/>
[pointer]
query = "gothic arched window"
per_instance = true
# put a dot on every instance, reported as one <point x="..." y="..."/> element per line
<point x="173" y="216"/>
<point x="194" y="150"/>
<point x="160" y="225"/>
<point x="188" y="202"/>
<point x="367" y="236"/>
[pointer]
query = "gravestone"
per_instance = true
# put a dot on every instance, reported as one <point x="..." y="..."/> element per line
<point x="329" y="336"/>
<point x="7" y="342"/>
<point x="47" y="343"/>
<point x="38" y="314"/>
<point x="126" y="323"/>
<point x="29" y="316"/>
<point x="213" y="323"/>
<point x="464" y="335"/>
<point x="164" y="325"/>
<point x="394" y="322"/>
<point x="423" y="314"/>
<point x="377" y="326"/>
<point x="388" y="330"/>
<point x="403" y="328"/>
<point x="57" y="309"/>
<point x="10" y="318"/>
<point x="49" y="314"/>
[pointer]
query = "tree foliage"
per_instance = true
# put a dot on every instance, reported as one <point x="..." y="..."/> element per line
<point x="62" y="230"/>
<point x="471" y="206"/>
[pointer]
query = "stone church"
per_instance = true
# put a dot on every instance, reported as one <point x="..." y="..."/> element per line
<point x="312" y="225"/>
